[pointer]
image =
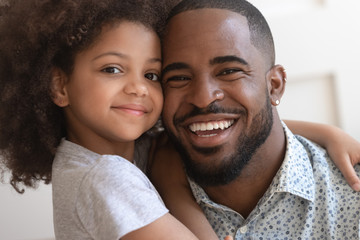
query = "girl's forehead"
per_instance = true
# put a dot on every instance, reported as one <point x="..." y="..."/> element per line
<point x="127" y="40"/>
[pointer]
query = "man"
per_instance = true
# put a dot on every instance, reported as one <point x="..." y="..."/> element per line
<point x="252" y="177"/>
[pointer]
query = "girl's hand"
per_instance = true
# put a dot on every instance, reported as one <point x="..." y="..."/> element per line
<point x="343" y="149"/>
<point x="345" y="152"/>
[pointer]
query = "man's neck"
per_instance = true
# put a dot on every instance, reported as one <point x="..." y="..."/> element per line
<point x="243" y="194"/>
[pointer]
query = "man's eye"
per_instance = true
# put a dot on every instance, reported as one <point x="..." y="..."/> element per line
<point x="177" y="81"/>
<point x="112" y="70"/>
<point x="177" y="78"/>
<point x="152" y="76"/>
<point x="229" y="71"/>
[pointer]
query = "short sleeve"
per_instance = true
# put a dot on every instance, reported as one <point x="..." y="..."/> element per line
<point x="116" y="198"/>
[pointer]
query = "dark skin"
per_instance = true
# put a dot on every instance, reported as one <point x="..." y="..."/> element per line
<point x="204" y="64"/>
<point x="243" y="194"/>
<point x="245" y="82"/>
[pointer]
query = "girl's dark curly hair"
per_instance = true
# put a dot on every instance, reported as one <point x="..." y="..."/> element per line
<point x="35" y="37"/>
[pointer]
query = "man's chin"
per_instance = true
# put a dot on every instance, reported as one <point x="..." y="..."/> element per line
<point x="217" y="173"/>
<point x="205" y="165"/>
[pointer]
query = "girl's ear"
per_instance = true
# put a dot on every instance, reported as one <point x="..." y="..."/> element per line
<point x="58" y="90"/>
<point x="276" y="79"/>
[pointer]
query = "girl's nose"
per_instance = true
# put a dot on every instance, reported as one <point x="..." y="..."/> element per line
<point x="136" y="86"/>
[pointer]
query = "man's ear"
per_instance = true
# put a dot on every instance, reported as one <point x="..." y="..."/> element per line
<point x="58" y="90"/>
<point x="276" y="79"/>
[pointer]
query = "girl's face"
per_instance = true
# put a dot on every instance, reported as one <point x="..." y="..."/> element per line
<point x="114" y="93"/>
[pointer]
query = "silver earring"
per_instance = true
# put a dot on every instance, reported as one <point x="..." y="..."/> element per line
<point x="277" y="102"/>
<point x="284" y="71"/>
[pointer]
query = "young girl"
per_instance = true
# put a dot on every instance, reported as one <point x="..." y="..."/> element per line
<point x="81" y="78"/>
<point x="78" y="84"/>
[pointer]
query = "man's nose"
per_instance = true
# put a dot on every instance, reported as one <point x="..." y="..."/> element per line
<point x="204" y="91"/>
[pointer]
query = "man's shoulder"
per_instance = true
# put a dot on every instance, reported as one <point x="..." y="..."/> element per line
<point x="314" y="151"/>
<point x="327" y="175"/>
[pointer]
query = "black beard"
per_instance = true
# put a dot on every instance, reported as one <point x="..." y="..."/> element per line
<point x="205" y="174"/>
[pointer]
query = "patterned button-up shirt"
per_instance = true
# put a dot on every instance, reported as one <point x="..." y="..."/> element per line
<point x="307" y="199"/>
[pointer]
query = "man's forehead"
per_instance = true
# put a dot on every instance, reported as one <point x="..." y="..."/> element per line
<point x="202" y="25"/>
<point x="200" y="18"/>
<point x="206" y="29"/>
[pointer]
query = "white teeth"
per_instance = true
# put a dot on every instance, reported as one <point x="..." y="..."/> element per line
<point x="224" y="124"/>
<point x="210" y="135"/>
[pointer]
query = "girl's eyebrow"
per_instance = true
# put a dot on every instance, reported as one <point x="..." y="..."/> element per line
<point x="121" y="55"/>
<point x="117" y="54"/>
<point x="155" y="60"/>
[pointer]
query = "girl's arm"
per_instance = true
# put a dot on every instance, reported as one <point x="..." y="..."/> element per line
<point x="168" y="176"/>
<point x="342" y="148"/>
<point x="164" y="228"/>
<point x="190" y="222"/>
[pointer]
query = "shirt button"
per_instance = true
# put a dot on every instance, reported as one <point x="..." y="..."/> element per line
<point x="243" y="229"/>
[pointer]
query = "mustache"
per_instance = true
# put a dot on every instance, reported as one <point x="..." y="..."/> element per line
<point x="211" y="108"/>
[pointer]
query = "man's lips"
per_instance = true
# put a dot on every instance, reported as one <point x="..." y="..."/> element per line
<point x="210" y="133"/>
<point x="133" y="109"/>
<point x="210" y="128"/>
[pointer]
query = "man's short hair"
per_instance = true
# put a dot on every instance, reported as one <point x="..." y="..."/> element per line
<point x="260" y="33"/>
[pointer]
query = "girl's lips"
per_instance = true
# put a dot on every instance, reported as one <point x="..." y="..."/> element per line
<point x="134" y="109"/>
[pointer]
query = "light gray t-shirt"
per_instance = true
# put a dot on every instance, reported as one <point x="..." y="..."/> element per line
<point x="100" y="196"/>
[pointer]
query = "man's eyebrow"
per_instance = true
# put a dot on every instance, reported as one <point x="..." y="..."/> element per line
<point x="175" y="66"/>
<point x="230" y="58"/>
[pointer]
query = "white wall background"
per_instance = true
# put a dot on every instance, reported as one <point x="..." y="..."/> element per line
<point x="27" y="216"/>
<point x="318" y="42"/>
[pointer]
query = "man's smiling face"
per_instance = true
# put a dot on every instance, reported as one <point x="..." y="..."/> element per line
<point x="216" y="105"/>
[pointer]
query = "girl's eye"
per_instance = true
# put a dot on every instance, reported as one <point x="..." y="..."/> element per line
<point x="152" y="76"/>
<point x="112" y="70"/>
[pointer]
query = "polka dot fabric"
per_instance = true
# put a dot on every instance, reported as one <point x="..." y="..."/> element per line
<point x="308" y="199"/>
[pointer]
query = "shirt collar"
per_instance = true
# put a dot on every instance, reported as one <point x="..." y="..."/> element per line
<point x="294" y="176"/>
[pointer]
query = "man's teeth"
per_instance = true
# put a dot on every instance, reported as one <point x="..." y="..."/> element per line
<point x="211" y="125"/>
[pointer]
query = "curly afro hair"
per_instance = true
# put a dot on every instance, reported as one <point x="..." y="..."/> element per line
<point x="35" y="37"/>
